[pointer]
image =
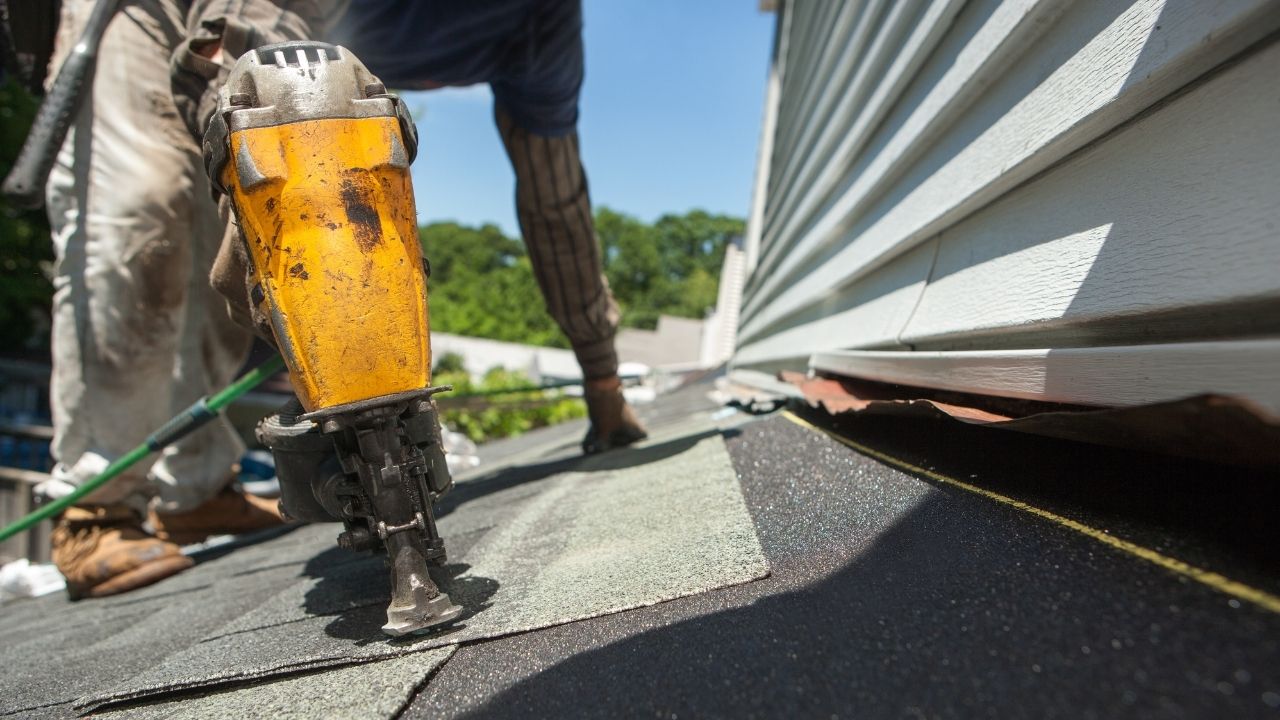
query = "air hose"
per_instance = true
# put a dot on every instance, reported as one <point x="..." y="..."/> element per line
<point x="184" y="423"/>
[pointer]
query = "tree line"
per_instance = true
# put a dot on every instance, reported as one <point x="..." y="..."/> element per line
<point x="25" y="249"/>
<point x="482" y="282"/>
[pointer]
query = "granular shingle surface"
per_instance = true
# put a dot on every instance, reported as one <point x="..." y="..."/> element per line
<point x="377" y="689"/>
<point x="559" y="540"/>
<point x="602" y="535"/>
<point x="889" y="594"/>
<point x="890" y="597"/>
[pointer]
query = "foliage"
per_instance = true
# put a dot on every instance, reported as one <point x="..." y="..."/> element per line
<point x="483" y="284"/>
<point x="449" y="363"/>
<point x="25" y="250"/>
<point x="508" y="414"/>
<point x="671" y="267"/>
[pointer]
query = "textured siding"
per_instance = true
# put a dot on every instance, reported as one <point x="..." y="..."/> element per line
<point x="1016" y="176"/>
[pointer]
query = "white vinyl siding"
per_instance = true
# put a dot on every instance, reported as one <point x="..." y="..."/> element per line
<point x="1020" y="175"/>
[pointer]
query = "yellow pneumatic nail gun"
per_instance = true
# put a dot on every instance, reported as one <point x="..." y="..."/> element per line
<point x="314" y="154"/>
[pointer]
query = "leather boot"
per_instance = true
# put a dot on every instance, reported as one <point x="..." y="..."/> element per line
<point x="230" y="512"/>
<point x="613" y="423"/>
<point x="103" y="550"/>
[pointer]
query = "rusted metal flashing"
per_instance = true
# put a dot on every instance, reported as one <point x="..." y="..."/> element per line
<point x="1208" y="427"/>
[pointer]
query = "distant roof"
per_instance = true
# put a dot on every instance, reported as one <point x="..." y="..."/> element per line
<point x="676" y="341"/>
<point x="480" y="355"/>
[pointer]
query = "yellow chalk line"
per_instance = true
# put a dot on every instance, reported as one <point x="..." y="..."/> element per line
<point x="1212" y="579"/>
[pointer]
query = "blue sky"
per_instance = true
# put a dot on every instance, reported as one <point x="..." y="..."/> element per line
<point x="670" y="117"/>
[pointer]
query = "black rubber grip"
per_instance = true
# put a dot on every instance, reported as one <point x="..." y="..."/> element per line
<point x="25" y="184"/>
<point x="182" y="425"/>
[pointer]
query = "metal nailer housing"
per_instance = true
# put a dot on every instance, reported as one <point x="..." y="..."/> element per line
<point x="314" y="154"/>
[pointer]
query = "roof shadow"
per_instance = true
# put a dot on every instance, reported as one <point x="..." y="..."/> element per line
<point x="356" y="593"/>
<point x="889" y="597"/>
<point x="936" y="615"/>
<point x="354" y="589"/>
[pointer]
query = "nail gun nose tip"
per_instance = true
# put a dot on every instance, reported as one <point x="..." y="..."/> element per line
<point x="425" y="616"/>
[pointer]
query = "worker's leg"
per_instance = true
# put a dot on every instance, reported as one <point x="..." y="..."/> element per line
<point x="195" y="500"/>
<point x="193" y="475"/>
<point x="554" y="209"/>
<point x="119" y="201"/>
<point x="211" y="348"/>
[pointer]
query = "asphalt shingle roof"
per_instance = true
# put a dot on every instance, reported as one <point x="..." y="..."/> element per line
<point x="888" y="594"/>
<point x="555" y="541"/>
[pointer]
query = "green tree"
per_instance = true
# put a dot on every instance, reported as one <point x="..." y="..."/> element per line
<point x="25" y="250"/>
<point x="695" y="240"/>
<point x="633" y="263"/>
<point x="505" y="414"/>
<point x="482" y="284"/>
<point x="671" y="267"/>
<point x="448" y="363"/>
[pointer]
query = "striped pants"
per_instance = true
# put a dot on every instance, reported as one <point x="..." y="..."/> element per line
<point x="554" y="209"/>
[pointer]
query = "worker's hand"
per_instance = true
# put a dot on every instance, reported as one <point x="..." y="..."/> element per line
<point x="231" y="277"/>
<point x="198" y="71"/>
<point x="218" y="32"/>
<point x="212" y="50"/>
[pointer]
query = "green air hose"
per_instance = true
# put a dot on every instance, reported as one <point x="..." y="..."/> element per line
<point x="200" y="412"/>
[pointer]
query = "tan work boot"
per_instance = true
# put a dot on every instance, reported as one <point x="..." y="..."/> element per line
<point x="103" y="550"/>
<point x="613" y="423"/>
<point x="230" y="512"/>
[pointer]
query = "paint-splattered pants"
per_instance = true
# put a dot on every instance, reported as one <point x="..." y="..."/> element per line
<point x="137" y="332"/>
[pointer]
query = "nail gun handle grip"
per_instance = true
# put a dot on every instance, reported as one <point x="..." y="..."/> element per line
<point x="24" y="185"/>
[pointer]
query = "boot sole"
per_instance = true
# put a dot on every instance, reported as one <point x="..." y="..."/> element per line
<point x="620" y="438"/>
<point x="191" y="537"/>
<point x="152" y="572"/>
<point x="268" y="517"/>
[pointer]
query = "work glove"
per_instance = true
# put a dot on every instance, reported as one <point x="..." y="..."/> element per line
<point x="220" y="31"/>
<point x="232" y="278"/>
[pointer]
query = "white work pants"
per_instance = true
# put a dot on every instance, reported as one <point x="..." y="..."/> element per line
<point x="137" y="335"/>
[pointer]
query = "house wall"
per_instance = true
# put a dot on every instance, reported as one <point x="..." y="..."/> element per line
<point x="1078" y="188"/>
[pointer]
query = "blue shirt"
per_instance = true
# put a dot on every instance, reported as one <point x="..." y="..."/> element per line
<point x="529" y="51"/>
